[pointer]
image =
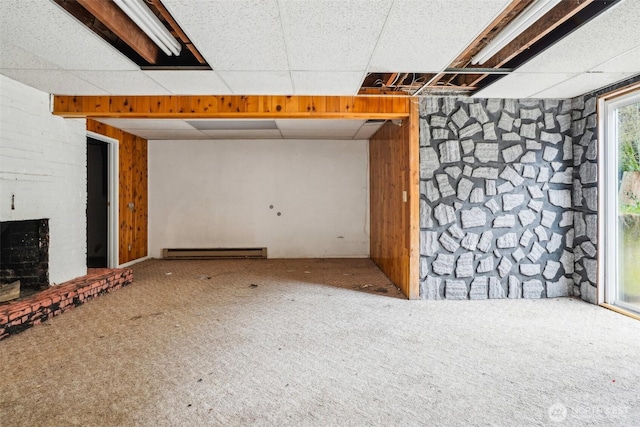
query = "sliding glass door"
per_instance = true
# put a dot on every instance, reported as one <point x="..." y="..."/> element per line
<point x="621" y="149"/>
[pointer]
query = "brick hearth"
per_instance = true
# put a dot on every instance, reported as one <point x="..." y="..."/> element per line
<point x="22" y="314"/>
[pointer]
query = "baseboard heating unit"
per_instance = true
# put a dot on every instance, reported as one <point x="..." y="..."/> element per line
<point x="213" y="253"/>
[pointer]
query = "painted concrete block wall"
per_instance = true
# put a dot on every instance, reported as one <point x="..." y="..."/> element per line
<point x="221" y="194"/>
<point x="43" y="166"/>
<point x="496" y="212"/>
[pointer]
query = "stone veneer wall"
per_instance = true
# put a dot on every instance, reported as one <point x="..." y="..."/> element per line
<point x="496" y="216"/>
<point x="585" y="189"/>
<point x="585" y="196"/>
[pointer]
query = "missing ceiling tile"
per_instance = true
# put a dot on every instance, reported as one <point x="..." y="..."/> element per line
<point x="113" y="24"/>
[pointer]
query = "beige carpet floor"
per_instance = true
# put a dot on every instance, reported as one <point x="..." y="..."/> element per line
<point x="316" y="342"/>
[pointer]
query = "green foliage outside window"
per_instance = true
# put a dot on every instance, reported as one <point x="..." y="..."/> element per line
<point x="629" y="133"/>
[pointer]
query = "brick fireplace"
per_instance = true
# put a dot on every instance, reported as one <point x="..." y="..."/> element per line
<point x="24" y="253"/>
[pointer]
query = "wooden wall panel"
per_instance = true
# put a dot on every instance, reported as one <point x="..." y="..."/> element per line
<point x="132" y="178"/>
<point x="393" y="153"/>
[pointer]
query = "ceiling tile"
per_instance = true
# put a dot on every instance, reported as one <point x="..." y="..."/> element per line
<point x="319" y="124"/>
<point x="625" y="62"/>
<point x="243" y="134"/>
<point x="326" y="82"/>
<point x="12" y="56"/>
<point x="612" y="33"/>
<point x="234" y="35"/>
<point x="232" y="124"/>
<point x="368" y="130"/>
<point x="522" y="85"/>
<point x="123" y="82"/>
<point x="319" y="134"/>
<point x="149" y="124"/>
<point x="424" y="36"/>
<point x="58" y="82"/>
<point x="49" y="32"/>
<point x="332" y="35"/>
<point x="168" y="133"/>
<point x="258" y="83"/>
<point x="190" y="82"/>
<point x="581" y="84"/>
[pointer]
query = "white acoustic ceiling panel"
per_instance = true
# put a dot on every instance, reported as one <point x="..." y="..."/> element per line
<point x="319" y="128"/>
<point x="317" y="134"/>
<point x="243" y="134"/>
<point x="628" y="61"/>
<point x="426" y="36"/>
<point x="122" y="82"/>
<point x="234" y="34"/>
<point x="185" y="82"/>
<point x="147" y="124"/>
<point x="319" y="124"/>
<point x="332" y="35"/>
<point x="368" y="129"/>
<point x="608" y="35"/>
<point x="50" y="33"/>
<point x="12" y="56"/>
<point x="258" y="82"/>
<point x="58" y="82"/>
<point x="581" y="84"/>
<point x="172" y="134"/>
<point x="522" y="85"/>
<point x="326" y="82"/>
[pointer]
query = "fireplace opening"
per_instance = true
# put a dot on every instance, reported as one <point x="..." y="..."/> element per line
<point x="24" y="254"/>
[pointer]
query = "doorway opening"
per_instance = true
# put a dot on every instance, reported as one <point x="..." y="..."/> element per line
<point x="621" y="148"/>
<point x="102" y="186"/>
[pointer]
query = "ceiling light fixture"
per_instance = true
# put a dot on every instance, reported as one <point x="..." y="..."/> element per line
<point x="151" y="25"/>
<point x="523" y="21"/>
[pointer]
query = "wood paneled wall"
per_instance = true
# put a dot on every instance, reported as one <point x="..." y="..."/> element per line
<point x="133" y="234"/>
<point x="394" y="170"/>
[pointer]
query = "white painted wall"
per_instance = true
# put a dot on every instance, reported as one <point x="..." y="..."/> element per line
<point x="218" y="193"/>
<point x="43" y="164"/>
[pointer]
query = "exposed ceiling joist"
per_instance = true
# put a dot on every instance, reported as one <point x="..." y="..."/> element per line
<point x="549" y="22"/>
<point x="178" y="31"/>
<point x="117" y="21"/>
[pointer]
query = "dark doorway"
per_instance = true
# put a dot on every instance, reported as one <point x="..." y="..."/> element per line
<point x="97" y="203"/>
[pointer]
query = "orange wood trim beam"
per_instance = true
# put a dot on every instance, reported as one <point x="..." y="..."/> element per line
<point x="229" y="107"/>
<point x="414" y="199"/>
<point x="117" y="21"/>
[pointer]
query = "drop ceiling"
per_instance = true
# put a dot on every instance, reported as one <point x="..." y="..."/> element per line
<point x="319" y="129"/>
<point x="294" y="47"/>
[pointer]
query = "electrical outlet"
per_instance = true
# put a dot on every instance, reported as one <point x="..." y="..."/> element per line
<point x="404" y="196"/>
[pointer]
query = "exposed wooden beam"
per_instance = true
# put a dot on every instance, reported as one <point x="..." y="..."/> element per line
<point x="119" y="23"/>
<point x="178" y="31"/>
<point x="392" y="78"/>
<point x="505" y="18"/>
<point x="183" y="107"/>
<point x="564" y="11"/>
<point x="489" y="33"/>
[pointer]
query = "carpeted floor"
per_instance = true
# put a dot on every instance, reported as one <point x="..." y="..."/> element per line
<point x="316" y="342"/>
